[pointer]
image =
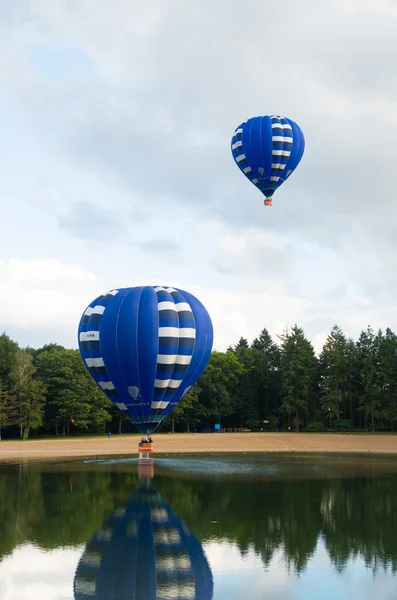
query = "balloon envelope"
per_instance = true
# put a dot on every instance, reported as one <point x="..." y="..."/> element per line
<point x="145" y="347"/>
<point x="267" y="150"/>
<point x="144" y="551"/>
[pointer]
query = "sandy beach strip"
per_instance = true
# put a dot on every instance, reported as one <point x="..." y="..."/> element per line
<point x="205" y="443"/>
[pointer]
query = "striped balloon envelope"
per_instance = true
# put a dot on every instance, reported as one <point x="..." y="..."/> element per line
<point x="267" y="150"/>
<point x="144" y="551"/>
<point x="145" y="347"/>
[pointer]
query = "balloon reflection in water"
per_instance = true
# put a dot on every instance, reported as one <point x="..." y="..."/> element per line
<point x="144" y="551"/>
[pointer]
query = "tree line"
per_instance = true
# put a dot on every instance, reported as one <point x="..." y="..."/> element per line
<point x="268" y="384"/>
<point x="353" y="517"/>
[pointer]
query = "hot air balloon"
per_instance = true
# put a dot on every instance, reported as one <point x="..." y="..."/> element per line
<point x="144" y="551"/>
<point x="267" y="150"/>
<point x="145" y="347"/>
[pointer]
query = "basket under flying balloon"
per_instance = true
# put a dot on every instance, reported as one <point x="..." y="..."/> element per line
<point x="145" y="347"/>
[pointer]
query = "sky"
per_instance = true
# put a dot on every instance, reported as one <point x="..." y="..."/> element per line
<point x="30" y="573"/>
<point x="116" y="170"/>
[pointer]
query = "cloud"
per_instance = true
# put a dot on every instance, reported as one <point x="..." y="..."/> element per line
<point x="87" y="221"/>
<point x="159" y="246"/>
<point x="31" y="573"/>
<point x="45" y="295"/>
<point x="134" y="115"/>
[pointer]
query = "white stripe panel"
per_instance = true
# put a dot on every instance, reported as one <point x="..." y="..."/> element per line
<point x="161" y="383"/>
<point x="281" y="153"/>
<point x="279" y="166"/>
<point x="174" y="383"/>
<point x="182" y="306"/>
<point x="187" y="332"/>
<point x="282" y="126"/>
<point x="91" y="559"/>
<point x="241" y="157"/>
<point x="185" y="591"/>
<point x="89" y="336"/>
<point x="94" y="310"/>
<point x="86" y="588"/>
<point x="158" y="515"/>
<point x="247" y="170"/>
<point x="121" y="406"/>
<point x="104" y="534"/>
<point x="169" y="332"/>
<point x="165" y="383"/>
<point x="281" y="138"/>
<point x="161" y="404"/>
<point x="169" y="563"/>
<point x="106" y="385"/>
<point x="166" y="359"/>
<point x="159" y="289"/>
<point x="167" y="536"/>
<point x="170" y="290"/>
<point x="113" y="292"/>
<point x="166" y="306"/>
<point x="94" y="362"/>
<point x="274" y="178"/>
<point x="237" y="145"/>
<point x="182" y="360"/>
<point x="237" y="132"/>
<point x="170" y="359"/>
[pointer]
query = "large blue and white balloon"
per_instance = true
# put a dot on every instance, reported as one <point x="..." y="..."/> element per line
<point x="145" y="347"/>
<point x="267" y="150"/>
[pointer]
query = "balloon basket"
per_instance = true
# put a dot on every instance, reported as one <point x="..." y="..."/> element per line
<point x="145" y="450"/>
<point x="268" y="202"/>
<point x="146" y="469"/>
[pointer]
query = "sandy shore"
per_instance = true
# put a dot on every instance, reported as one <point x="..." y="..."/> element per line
<point x="226" y="442"/>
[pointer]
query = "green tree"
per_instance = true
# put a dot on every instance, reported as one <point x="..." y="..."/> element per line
<point x="8" y="352"/>
<point x="189" y="410"/>
<point x="28" y="394"/>
<point x="7" y="407"/>
<point x="266" y="356"/>
<point x="218" y="385"/>
<point x="388" y="377"/>
<point x="72" y="393"/>
<point x="370" y="376"/>
<point x="246" y="410"/>
<point x="298" y="370"/>
<point x="334" y="374"/>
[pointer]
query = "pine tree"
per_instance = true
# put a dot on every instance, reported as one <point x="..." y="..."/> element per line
<point x="298" y="370"/>
<point x="334" y="375"/>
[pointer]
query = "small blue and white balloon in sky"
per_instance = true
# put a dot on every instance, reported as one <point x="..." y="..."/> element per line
<point x="267" y="150"/>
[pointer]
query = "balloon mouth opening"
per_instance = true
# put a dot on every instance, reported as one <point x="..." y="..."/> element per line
<point x="146" y="428"/>
<point x="268" y="202"/>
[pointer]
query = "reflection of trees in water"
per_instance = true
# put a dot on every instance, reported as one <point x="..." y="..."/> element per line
<point x="355" y="517"/>
<point x="144" y="551"/>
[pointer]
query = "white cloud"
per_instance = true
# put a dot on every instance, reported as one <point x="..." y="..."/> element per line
<point x="45" y="294"/>
<point x="30" y="573"/>
<point x="116" y="163"/>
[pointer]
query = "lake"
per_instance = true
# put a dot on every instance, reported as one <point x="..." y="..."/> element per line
<point x="226" y="527"/>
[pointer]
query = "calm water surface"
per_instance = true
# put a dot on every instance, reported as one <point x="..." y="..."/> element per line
<point x="196" y="528"/>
